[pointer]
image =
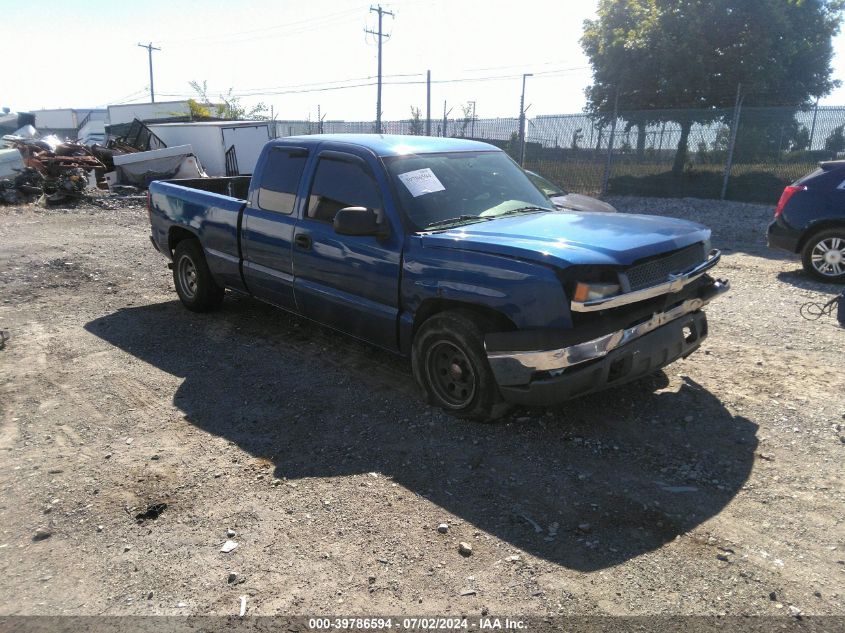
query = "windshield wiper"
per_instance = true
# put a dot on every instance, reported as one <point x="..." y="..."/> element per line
<point x="526" y="209"/>
<point x="461" y="219"/>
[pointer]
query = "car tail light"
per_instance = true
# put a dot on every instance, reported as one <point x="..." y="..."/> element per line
<point x="788" y="192"/>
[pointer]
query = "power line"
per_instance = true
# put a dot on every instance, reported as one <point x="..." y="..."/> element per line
<point x="323" y="87"/>
<point x="124" y="99"/>
<point x="299" y="25"/>
<point x="524" y="65"/>
<point x="244" y="92"/>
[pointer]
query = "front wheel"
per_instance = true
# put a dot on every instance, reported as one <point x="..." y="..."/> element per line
<point x="450" y="364"/>
<point x="192" y="278"/>
<point x="824" y="255"/>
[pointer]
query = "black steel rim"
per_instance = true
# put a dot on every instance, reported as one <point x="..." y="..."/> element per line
<point x="450" y="374"/>
<point x="187" y="276"/>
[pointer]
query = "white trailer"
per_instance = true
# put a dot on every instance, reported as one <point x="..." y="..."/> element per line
<point x="128" y="112"/>
<point x="56" y="119"/>
<point x="215" y="141"/>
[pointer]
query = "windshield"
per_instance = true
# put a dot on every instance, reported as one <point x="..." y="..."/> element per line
<point x="438" y="190"/>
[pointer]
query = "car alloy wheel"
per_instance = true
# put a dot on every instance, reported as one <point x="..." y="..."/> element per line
<point x="828" y="256"/>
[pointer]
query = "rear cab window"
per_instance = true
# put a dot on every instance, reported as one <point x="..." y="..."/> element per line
<point x="280" y="179"/>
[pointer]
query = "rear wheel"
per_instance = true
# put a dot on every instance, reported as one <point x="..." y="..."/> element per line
<point x="192" y="278"/>
<point x="450" y="364"/>
<point x="824" y="255"/>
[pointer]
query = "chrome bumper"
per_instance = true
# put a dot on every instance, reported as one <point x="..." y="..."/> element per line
<point x="516" y="368"/>
<point x="675" y="284"/>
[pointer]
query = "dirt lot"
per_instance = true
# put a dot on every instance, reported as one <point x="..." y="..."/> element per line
<point x="713" y="488"/>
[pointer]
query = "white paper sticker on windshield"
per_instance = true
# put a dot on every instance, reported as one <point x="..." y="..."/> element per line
<point x="421" y="181"/>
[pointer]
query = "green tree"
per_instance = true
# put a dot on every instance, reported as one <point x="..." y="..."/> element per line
<point x="577" y="136"/>
<point x="800" y="139"/>
<point x="466" y="119"/>
<point x="765" y="133"/>
<point x="416" y="122"/>
<point x="230" y="106"/>
<point x="681" y="60"/>
<point x="835" y="142"/>
<point x="512" y="146"/>
<point x="199" y="110"/>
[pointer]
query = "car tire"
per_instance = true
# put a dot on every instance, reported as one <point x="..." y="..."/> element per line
<point x="194" y="284"/>
<point x="451" y="366"/>
<point x="823" y="255"/>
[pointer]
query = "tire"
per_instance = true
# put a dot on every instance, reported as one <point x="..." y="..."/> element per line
<point x="192" y="278"/>
<point x="450" y="364"/>
<point x="823" y="255"/>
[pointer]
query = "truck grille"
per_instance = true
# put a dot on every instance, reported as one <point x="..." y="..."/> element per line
<point x="656" y="271"/>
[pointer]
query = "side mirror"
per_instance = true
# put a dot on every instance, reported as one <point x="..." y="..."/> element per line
<point x="358" y="221"/>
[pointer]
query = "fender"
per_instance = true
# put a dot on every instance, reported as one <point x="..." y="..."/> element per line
<point x="530" y="295"/>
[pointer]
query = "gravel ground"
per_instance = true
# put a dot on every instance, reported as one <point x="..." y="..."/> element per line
<point x="138" y="438"/>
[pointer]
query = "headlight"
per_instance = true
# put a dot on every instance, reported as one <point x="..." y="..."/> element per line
<point x="589" y="292"/>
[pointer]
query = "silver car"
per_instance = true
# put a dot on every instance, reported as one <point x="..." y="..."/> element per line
<point x="571" y="201"/>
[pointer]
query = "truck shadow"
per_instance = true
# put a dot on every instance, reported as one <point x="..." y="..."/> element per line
<point x="589" y="485"/>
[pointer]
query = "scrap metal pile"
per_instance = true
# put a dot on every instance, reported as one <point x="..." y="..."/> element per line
<point x="48" y="168"/>
<point x="52" y="171"/>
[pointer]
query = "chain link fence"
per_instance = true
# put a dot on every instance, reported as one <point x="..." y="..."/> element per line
<point x="744" y="153"/>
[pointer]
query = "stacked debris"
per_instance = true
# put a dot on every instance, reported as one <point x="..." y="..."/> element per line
<point x="137" y="138"/>
<point x="53" y="169"/>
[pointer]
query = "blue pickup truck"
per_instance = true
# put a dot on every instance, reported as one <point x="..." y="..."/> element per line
<point x="443" y="250"/>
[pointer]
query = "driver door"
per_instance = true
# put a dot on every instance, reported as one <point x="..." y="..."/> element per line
<point x="350" y="283"/>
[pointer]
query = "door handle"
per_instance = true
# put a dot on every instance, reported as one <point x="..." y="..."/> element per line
<point x="303" y="241"/>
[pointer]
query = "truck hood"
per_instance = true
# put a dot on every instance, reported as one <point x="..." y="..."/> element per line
<point x="564" y="238"/>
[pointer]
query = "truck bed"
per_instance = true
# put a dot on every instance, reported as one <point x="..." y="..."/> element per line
<point x="210" y="209"/>
<point x="234" y="187"/>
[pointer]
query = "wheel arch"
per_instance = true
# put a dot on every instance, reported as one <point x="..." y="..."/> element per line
<point x="815" y="229"/>
<point x="431" y="307"/>
<point x="178" y="234"/>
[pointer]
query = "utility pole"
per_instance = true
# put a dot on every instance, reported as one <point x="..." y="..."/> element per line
<point x="732" y="142"/>
<point x="150" y="48"/>
<point x="472" y="121"/>
<point x="813" y="127"/>
<point x="381" y="13"/>
<point x="320" y="120"/>
<point x="609" y="159"/>
<point x="428" y="103"/>
<point x="522" y="121"/>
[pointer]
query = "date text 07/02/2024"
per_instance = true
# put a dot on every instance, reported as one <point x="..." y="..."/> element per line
<point x="413" y="624"/>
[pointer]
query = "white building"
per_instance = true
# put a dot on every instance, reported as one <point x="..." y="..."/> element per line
<point x="84" y="124"/>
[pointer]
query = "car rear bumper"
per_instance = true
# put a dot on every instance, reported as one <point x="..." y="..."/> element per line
<point x="783" y="237"/>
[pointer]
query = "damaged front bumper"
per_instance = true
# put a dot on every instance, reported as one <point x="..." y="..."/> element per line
<point x="554" y="375"/>
<point x="673" y="284"/>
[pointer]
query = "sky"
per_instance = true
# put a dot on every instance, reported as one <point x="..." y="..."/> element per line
<point x="292" y="55"/>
